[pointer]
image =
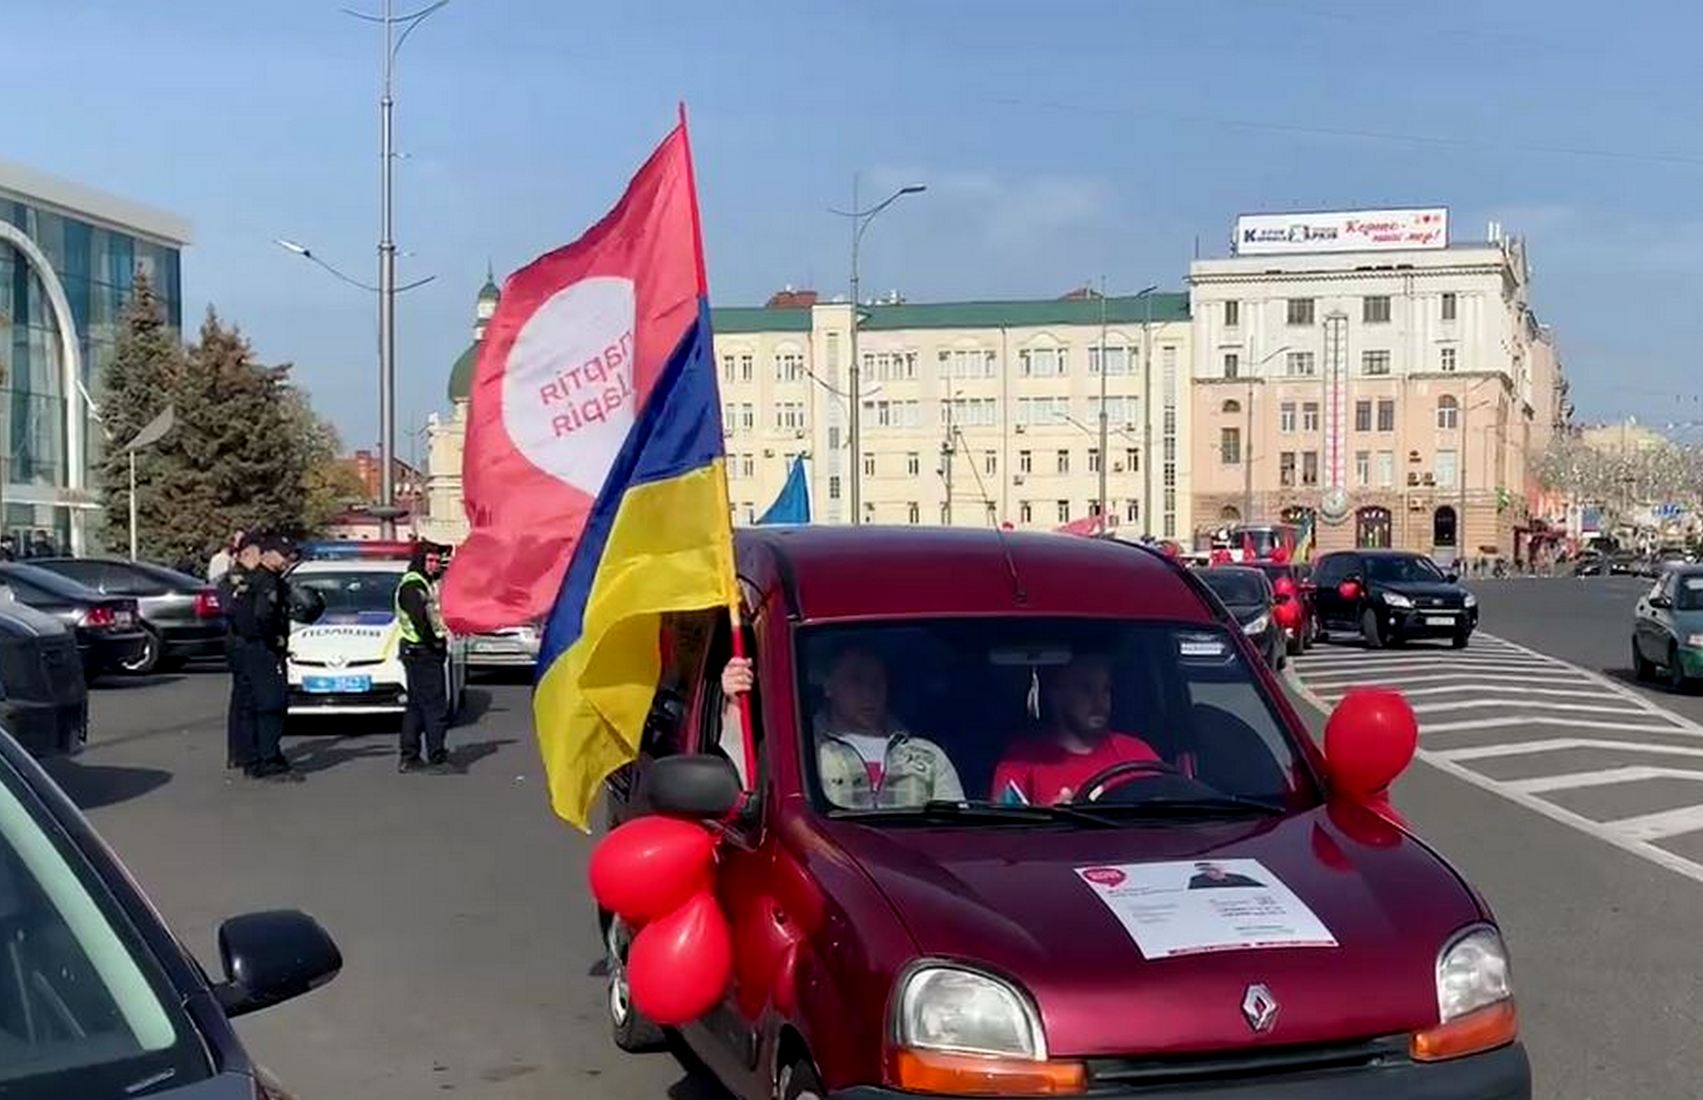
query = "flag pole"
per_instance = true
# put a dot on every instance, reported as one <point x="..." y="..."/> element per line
<point x="734" y="611"/>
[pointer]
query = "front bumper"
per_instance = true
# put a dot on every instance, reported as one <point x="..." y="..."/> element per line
<point x="1429" y="622"/>
<point x="382" y="699"/>
<point x="1503" y="1074"/>
<point x="47" y="728"/>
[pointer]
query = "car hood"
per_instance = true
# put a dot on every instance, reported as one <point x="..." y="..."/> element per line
<point x="1246" y="613"/>
<point x="1010" y="899"/>
<point x="363" y="636"/>
<point x="1430" y="590"/>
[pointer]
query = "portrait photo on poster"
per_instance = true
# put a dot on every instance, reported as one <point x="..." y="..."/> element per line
<point x="1190" y="907"/>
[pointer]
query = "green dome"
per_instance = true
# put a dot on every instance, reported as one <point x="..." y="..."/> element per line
<point x="490" y="292"/>
<point x="461" y="375"/>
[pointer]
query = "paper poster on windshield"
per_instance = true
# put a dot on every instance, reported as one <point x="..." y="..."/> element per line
<point x="1197" y="906"/>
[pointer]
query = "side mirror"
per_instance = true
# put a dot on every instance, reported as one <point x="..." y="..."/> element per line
<point x="272" y="956"/>
<point x="1660" y="601"/>
<point x="702" y="786"/>
<point x="1370" y="739"/>
<point x="1452" y="577"/>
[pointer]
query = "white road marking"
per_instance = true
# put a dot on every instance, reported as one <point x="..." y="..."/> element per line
<point x="1512" y="677"/>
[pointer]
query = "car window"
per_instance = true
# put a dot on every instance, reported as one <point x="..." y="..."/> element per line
<point x="1689" y="596"/>
<point x="91" y="573"/>
<point x="1235" y="586"/>
<point x="354" y="591"/>
<point x="897" y="715"/>
<point x="1332" y="570"/>
<point x="1402" y="569"/>
<point x="123" y="579"/>
<point x="83" y="1009"/>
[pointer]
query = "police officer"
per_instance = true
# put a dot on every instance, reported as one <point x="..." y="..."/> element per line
<point x="261" y="619"/>
<point x="425" y="647"/>
<point x="240" y="748"/>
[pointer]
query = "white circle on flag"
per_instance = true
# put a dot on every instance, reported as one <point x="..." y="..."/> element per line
<point x="568" y="390"/>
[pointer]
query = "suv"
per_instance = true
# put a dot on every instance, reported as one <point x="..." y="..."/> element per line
<point x="1390" y="596"/>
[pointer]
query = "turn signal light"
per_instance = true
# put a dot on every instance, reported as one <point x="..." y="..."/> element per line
<point x="1485" y="1029"/>
<point x="984" y="1075"/>
<point x="100" y="617"/>
<point x="207" y="604"/>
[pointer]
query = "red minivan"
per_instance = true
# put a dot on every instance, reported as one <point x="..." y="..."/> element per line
<point x="1207" y="916"/>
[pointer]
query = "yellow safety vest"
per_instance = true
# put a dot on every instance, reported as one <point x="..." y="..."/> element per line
<point x="404" y="622"/>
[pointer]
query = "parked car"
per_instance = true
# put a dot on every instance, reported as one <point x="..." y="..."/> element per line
<point x="100" y="1000"/>
<point x="1590" y="563"/>
<point x="1247" y="595"/>
<point x="180" y="613"/>
<point x="108" y="629"/>
<point x="44" y="701"/>
<point x="1667" y="628"/>
<point x="1623" y="563"/>
<point x="1293" y="582"/>
<point x="983" y="947"/>
<point x="1391" y="596"/>
<point x="513" y="647"/>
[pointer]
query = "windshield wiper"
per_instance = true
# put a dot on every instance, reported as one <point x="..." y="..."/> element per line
<point x="971" y="810"/>
<point x="1202" y="806"/>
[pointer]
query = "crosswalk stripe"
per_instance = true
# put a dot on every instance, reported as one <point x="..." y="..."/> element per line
<point x="1529" y="704"/>
<point x="1602" y="777"/>
<point x="1479" y="685"/>
<point x="1657" y="826"/>
<point x="1560" y="744"/>
<point x="1522" y="720"/>
<point x="1469" y="678"/>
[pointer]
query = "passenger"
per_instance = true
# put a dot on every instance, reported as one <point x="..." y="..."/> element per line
<point x="865" y="758"/>
<point x="1078" y="742"/>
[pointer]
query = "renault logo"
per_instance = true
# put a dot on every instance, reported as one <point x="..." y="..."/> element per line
<point x="1259" y="1008"/>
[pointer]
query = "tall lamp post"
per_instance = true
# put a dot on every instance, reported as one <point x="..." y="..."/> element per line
<point x="860" y="220"/>
<point x="1146" y="297"/>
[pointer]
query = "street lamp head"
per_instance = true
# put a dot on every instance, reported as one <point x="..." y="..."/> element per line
<point x="913" y="189"/>
<point x="1145" y="291"/>
<point x="291" y="246"/>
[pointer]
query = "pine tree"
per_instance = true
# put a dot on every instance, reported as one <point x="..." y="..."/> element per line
<point x="135" y="385"/>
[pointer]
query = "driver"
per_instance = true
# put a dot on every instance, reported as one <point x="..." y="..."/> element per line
<point x="865" y="758"/>
<point x="1077" y="742"/>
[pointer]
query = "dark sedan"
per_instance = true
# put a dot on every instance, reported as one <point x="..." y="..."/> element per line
<point x="1247" y="594"/>
<point x="100" y="1000"/>
<point x="1390" y="597"/>
<point x="180" y="613"/>
<point x="44" y="701"/>
<point x="108" y="628"/>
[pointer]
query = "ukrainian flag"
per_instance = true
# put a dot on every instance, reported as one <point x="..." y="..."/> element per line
<point x="659" y="539"/>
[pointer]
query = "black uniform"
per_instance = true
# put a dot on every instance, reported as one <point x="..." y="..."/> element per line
<point x="240" y="747"/>
<point x="261" y="621"/>
<point x="423" y="663"/>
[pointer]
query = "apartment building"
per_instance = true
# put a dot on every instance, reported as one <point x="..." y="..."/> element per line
<point x="972" y="413"/>
<point x="1396" y="387"/>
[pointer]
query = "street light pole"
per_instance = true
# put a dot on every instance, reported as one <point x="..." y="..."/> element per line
<point x="1146" y="297"/>
<point x="860" y="220"/>
<point x="1104" y="519"/>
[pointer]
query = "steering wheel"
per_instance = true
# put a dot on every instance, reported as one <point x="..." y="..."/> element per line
<point x="1128" y="771"/>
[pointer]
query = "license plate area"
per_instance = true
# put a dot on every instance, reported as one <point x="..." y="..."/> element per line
<point x="1439" y="620"/>
<point x="337" y="685"/>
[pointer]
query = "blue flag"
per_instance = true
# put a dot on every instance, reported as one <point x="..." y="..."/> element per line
<point x="792" y="505"/>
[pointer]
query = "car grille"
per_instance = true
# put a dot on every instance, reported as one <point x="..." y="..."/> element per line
<point x="382" y="695"/>
<point x="1435" y="601"/>
<point x="300" y="663"/>
<point x="1205" y="1069"/>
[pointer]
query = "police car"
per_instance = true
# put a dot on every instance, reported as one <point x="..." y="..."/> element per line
<point x="349" y="660"/>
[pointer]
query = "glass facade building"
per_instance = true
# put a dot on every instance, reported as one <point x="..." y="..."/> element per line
<point x="69" y="257"/>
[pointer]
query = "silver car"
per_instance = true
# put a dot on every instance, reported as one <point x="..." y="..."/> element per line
<point x="512" y="647"/>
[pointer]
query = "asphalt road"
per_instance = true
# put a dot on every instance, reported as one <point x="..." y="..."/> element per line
<point x="472" y="964"/>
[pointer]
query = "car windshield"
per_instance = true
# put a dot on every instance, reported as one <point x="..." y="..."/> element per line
<point x="1014" y="713"/>
<point x="1689" y="597"/>
<point x="1403" y="568"/>
<point x="352" y="591"/>
<point x="1235" y="586"/>
<point x="83" y="1010"/>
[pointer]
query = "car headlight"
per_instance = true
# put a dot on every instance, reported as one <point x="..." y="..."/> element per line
<point x="1471" y="601"/>
<point x="1258" y="625"/>
<point x="947" y="1008"/>
<point x="1472" y="973"/>
<point x="1396" y="599"/>
<point x="1695" y="641"/>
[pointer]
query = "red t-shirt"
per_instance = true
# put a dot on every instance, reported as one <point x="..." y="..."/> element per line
<point x="1043" y="772"/>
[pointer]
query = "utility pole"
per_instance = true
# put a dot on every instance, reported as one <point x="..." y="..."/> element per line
<point x="1146" y="297"/>
<point x="1103" y="457"/>
<point x="946" y="452"/>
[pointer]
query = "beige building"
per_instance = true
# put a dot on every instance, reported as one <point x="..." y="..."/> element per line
<point x="1397" y="395"/>
<point x="972" y="412"/>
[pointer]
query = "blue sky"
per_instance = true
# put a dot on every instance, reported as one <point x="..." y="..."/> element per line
<point x="1059" y="142"/>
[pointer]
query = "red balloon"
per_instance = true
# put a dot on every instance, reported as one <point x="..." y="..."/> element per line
<point x="651" y="866"/>
<point x="1284" y="585"/>
<point x="1288" y="614"/>
<point x="1280" y="555"/>
<point x="1370" y="738"/>
<point x="678" y="967"/>
<point x="1348" y="590"/>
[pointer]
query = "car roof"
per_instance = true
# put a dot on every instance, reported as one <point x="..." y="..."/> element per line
<point x="351" y="565"/>
<point x="57" y="583"/>
<point x="842" y="572"/>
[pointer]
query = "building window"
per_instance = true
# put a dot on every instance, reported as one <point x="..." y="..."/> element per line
<point x="1064" y="462"/>
<point x="1132" y="511"/>
<point x="745" y="362"/>
<point x="1286" y="417"/>
<point x="747" y="465"/>
<point x="913" y="512"/>
<point x="990" y="462"/>
<point x="1309" y="468"/>
<point x="1232" y="364"/>
<point x="1232" y="313"/>
<point x="1093" y="460"/>
<point x="834" y="437"/>
<point x="1386" y="416"/>
<point x="1448" y="413"/>
<point x="1447" y="469"/>
<point x="1375" y="310"/>
<point x="868" y="465"/>
<point x="1362" y="468"/>
<point x="1093" y="507"/>
<point x="729" y="417"/>
<point x="1300" y="363"/>
<point x="1450" y="305"/>
<point x="1310" y="416"/>
<point x="1374" y="362"/>
<point x="789" y="366"/>
<point x="1117" y="360"/>
<point x="1386" y="469"/>
<point x="1064" y="511"/>
<point x="1362" y="416"/>
<point x="1300" y="311"/>
<point x="913" y="463"/>
<point x="1446" y="359"/>
<point x="1230" y="407"/>
<point x="834" y="487"/>
<point x="1041" y="362"/>
<point x="1025" y="462"/>
<point x="1132" y="459"/>
<point x="1230" y="446"/>
<point x="748" y="417"/>
<point x="1286" y="469"/>
<point x="1025" y="511"/>
<point x="727" y="368"/>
